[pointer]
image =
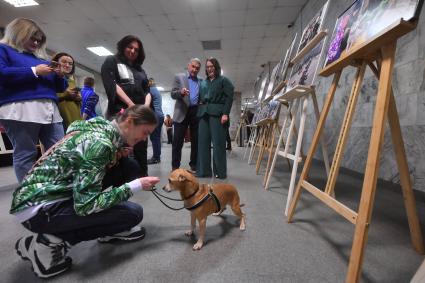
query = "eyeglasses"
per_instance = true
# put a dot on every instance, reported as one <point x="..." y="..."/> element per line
<point x="35" y="39"/>
<point x="209" y="67"/>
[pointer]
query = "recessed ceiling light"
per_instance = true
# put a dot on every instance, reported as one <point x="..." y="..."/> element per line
<point x="100" y="51"/>
<point x="22" y="3"/>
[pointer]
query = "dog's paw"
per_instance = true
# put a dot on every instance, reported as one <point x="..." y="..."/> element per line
<point x="198" y="246"/>
<point x="189" y="233"/>
<point x="242" y="227"/>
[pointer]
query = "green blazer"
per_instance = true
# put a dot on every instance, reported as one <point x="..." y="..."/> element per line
<point x="215" y="97"/>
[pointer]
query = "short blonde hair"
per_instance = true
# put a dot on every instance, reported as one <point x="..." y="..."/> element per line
<point x="19" y="31"/>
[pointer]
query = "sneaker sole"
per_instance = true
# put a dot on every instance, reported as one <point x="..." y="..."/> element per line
<point x="107" y="239"/>
<point x="18" y="250"/>
<point x="36" y="272"/>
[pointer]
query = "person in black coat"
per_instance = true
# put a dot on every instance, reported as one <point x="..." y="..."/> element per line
<point x="126" y="84"/>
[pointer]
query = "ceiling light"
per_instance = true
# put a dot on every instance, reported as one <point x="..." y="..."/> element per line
<point x="100" y="51"/>
<point x="22" y="3"/>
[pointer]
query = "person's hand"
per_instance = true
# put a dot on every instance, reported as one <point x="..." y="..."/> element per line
<point x="148" y="182"/>
<point x="184" y="91"/>
<point x="73" y="93"/>
<point x="43" y="70"/>
<point x="224" y="118"/>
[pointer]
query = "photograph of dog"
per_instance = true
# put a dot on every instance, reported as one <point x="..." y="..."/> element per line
<point x="203" y="200"/>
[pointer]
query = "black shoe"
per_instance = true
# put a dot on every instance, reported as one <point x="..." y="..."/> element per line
<point x="135" y="233"/>
<point x="219" y="177"/>
<point x="153" y="161"/>
<point x="193" y="169"/>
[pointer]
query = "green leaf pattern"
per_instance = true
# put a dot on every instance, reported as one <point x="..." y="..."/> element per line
<point x="75" y="169"/>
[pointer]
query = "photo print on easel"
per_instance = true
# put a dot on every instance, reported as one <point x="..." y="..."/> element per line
<point x="284" y="67"/>
<point x="304" y="72"/>
<point x="263" y="86"/>
<point x="341" y="31"/>
<point x="272" y="81"/>
<point x="377" y="15"/>
<point x="313" y="27"/>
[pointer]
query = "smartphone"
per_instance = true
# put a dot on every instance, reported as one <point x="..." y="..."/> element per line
<point x="53" y="64"/>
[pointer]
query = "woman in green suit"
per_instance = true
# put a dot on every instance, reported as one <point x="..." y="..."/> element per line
<point x="215" y="102"/>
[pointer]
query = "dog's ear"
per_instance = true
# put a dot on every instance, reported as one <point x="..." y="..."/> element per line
<point x="182" y="178"/>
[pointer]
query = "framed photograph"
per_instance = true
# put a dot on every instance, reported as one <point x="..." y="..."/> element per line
<point x="285" y="65"/>
<point x="273" y="109"/>
<point x="271" y="84"/>
<point x="304" y="72"/>
<point x="377" y="15"/>
<point x="341" y="31"/>
<point x="313" y="27"/>
<point x="256" y="118"/>
<point x="263" y="87"/>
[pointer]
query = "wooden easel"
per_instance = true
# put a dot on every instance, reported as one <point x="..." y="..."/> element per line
<point x="298" y="98"/>
<point x="381" y="50"/>
<point x="267" y="140"/>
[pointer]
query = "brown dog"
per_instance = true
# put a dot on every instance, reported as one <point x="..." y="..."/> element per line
<point x="203" y="200"/>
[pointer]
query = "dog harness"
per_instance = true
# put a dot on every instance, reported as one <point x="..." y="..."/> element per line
<point x="205" y="198"/>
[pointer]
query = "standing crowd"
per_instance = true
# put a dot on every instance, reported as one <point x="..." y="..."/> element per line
<point x="79" y="189"/>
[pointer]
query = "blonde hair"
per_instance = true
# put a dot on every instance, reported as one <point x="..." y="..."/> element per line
<point x="19" y="31"/>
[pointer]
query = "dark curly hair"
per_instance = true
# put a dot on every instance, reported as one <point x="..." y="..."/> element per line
<point x="217" y="68"/>
<point x="124" y="42"/>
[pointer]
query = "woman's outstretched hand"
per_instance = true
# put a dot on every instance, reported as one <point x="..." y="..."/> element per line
<point x="148" y="182"/>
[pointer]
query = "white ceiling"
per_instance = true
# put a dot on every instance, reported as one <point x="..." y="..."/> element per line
<point x="252" y="32"/>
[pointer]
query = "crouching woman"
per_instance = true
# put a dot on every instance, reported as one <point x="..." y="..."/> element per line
<point x="78" y="190"/>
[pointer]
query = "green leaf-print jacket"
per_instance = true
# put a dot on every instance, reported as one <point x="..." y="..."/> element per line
<point x="75" y="169"/>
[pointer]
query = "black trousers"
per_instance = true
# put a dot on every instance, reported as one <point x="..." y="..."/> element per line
<point x="140" y="152"/>
<point x="169" y="135"/>
<point x="59" y="219"/>
<point x="190" y="121"/>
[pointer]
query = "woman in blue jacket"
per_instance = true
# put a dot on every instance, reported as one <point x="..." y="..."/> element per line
<point x="28" y="87"/>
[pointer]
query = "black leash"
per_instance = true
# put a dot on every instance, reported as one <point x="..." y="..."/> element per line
<point x="156" y="194"/>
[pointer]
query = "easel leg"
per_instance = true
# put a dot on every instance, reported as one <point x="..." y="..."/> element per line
<point x="372" y="164"/>
<point x="297" y="153"/>
<point x="406" y="185"/>
<point x="271" y="146"/>
<point x="314" y="143"/>
<point x="324" y="147"/>
<point x="403" y="169"/>
<point x="279" y="143"/>
<point x="345" y="129"/>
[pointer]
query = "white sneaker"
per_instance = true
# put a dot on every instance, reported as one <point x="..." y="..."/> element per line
<point x="135" y="233"/>
<point x="47" y="254"/>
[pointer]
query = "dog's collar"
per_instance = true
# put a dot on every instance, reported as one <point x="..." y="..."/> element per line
<point x="194" y="193"/>
<point x="207" y="196"/>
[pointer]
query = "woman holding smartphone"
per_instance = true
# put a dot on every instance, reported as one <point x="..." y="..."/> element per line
<point x="28" y="86"/>
<point x="70" y="99"/>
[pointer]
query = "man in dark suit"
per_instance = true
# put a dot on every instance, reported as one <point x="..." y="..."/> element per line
<point x="186" y="93"/>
